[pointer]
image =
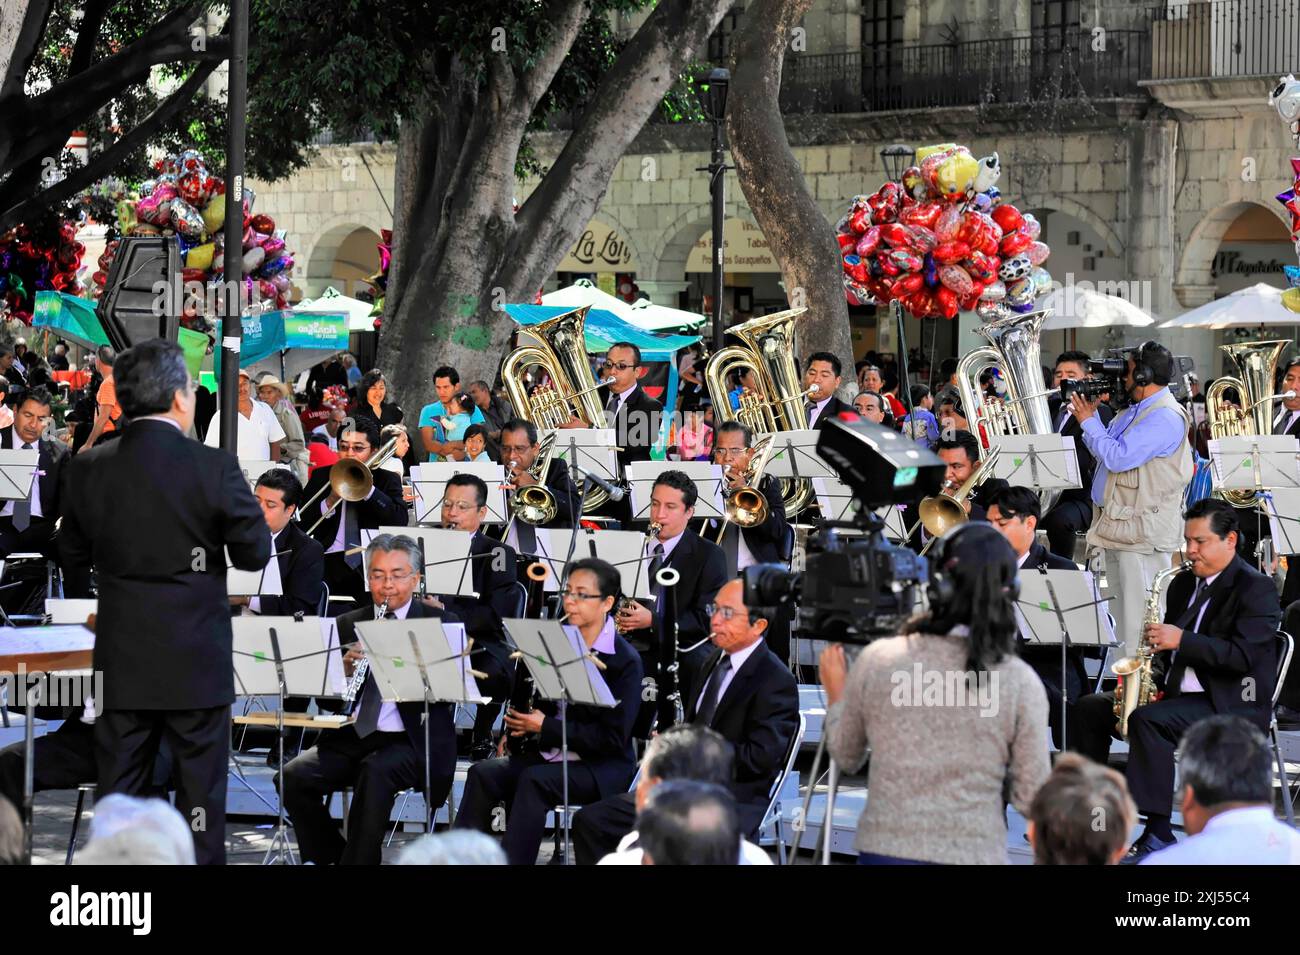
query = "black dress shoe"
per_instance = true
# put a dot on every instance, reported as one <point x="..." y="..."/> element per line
<point x="1144" y="847"/>
<point x="481" y="751"/>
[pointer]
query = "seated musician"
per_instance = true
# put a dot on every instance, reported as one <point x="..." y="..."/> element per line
<point x="960" y="451"/>
<point x="28" y="526"/>
<point x="1216" y="652"/>
<point x="339" y="532"/>
<point x="703" y="570"/>
<point x="492" y="564"/>
<point x="746" y="693"/>
<point x="601" y="760"/>
<point x="382" y="751"/>
<point x="1014" y="512"/>
<point x="519" y="450"/>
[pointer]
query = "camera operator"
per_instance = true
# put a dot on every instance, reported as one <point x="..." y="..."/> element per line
<point x="942" y="768"/>
<point x="1144" y="463"/>
<point x="1072" y="513"/>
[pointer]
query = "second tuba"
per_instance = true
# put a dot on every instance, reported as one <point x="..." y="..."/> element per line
<point x="1257" y="362"/>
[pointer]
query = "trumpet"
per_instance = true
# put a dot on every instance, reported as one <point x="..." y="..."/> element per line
<point x="351" y="480"/>
<point x="1137" y="685"/>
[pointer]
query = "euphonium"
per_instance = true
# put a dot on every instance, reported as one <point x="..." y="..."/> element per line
<point x="351" y="480"/>
<point x="535" y="503"/>
<point x="1257" y="362"/>
<point x="1139" y="687"/>
<point x="943" y="511"/>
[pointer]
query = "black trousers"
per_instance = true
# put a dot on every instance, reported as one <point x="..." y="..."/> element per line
<point x="377" y="767"/>
<point x="1290" y="695"/>
<point x="344" y="581"/>
<point x="1291" y="591"/>
<point x="126" y="754"/>
<point x="500" y="669"/>
<point x="530" y="788"/>
<point x="37" y="538"/>
<point x="598" y="828"/>
<point x="1062" y="523"/>
<point x="1046" y="662"/>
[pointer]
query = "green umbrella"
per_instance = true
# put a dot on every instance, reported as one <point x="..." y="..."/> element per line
<point x="69" y="317"/>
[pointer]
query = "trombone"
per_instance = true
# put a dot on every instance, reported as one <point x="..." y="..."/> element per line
<point x="940" y="513"/>
<point x="745" y="506"/>
<point x="351" y="480"/>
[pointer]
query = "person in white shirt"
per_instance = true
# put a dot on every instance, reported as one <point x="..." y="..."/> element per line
<point x="1227" y="799"/>
<point x="331" y="428"/>
<point x="259" y="433"/>
<point x="683" y="752"/>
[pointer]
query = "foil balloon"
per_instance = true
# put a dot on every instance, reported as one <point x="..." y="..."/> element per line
<point x="186" y="220"/>
<point x="1291" y="299"/>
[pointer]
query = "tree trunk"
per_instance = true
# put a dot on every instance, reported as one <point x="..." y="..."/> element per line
<point x="461" y="252"/>
<point x="800" y="237"/>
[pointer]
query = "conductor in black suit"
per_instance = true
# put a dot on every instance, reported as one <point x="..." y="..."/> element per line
<point x="823" y="370"/>
<point x="28" y="525"/>
<point x="151" y="514"/>
<point x="1216" y="653"/>
<point x="744" y="692"/>
<point x="519" y="450"/>
<point x="1072" y="511"/>
<point x="382" y="752"/>
<point x="492" y="566"/>
<point x="340" y="531"/>
<point x="702" y="569"/>
<point x="1013" y="511"/>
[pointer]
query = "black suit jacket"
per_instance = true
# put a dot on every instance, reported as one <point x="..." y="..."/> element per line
<point x="703" y="569"/>
<point x="442" y="729"/>
<point x="1049" y="656"/>
<point x="492" y="564"/>
<point x="1087" y="463"/>
<point x="54" y="457"/>
<point x="1294" y="430"/>
<point x="830" y="412"/>
<point x="636" y="426"/>
<point x="151" y="512"/>
<point x="302" y="574"/>
<point x="764" y="540"/>
<point x="603" y="736"/>
<point x="1234" y="652"/>
<point x="758" y="715"/>
<point x="385" y="507"/>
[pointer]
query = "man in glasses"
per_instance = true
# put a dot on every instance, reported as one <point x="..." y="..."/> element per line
<point x="382" y="751"/>
<point x="519" y="450"/>
<point x="634" y="415"/>
<point x="745" y="693"/>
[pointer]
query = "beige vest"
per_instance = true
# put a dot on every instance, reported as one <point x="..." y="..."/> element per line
<point x="1143" y="507"/>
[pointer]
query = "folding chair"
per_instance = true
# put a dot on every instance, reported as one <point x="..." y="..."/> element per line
<point x="774" y="808"/>
<point x="1286" y="647"/>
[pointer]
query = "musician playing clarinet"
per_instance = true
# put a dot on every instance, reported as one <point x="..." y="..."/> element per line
<point x="601" y="760"/>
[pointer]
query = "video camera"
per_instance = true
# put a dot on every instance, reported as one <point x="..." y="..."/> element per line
<point x="856" y="587"/>
<point x="1107" y="375"/>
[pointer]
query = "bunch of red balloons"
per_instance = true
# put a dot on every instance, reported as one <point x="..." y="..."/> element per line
<point x="37" y="257"/>
<point x="942" y="241"/>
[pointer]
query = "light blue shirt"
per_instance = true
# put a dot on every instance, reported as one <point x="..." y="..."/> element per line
<point x="1249" y="836"/>
<point x="1124" y="446"/>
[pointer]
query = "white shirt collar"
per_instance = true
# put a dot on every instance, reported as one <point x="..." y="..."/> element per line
<point x="1023" y="557"/>
<point x="1245" y="816"/>
<point x="399" y="612"/>
<point x="740" y="656"/>
<point x="669" y="545"/>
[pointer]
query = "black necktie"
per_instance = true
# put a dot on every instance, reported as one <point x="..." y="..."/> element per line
<point x="731" y="548"/>
<point x="371" y="700"/>
<point x="712" y="692"/>
<point x="1188" y="618"/>
<point x="611" y="407"/>
<point x="527" y="537"/>
<point x="23" y="509"/>
<point x="1065" y="419"/>
<point x="1283" y="422"/>
<point x="351" y="537"/>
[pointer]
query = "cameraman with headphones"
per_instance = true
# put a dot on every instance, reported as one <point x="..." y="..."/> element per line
<point x="955" y="721"/>
<point x="1144" y="463"/>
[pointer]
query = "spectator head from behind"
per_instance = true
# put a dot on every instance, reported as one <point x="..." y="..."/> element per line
<point x="684" y="752"/>
<point x="1082" y="815"/>
<point x="128" y="830"/>
<point x="921" y="397"/>
<point x="454" y="847"/>
<point x="151" y="378"/>
<point x="105" y="359"/>
<point x="1225" y="764"/>
<point x="689" y="823"/>
<point x="11" y="834"/>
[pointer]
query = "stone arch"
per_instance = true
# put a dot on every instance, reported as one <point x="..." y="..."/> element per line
<point x="675" y="242"/>
<point x="1072" y="207"/>
<point x="318" y="271"/>
<point x="1201" y="246"/>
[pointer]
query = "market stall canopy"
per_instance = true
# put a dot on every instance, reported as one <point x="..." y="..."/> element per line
<point x="74" y="319"/>
<point x="287" y="343"/>
<point x="331" y="300"/>
<point x="646" y="314"/>
<point x="1245" y="308"/>
<point x="1076" y="307"/>
<point x="643" y="314"/>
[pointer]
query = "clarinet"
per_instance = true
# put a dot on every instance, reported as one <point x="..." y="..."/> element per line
<point x="360" y="671"/>
<point x="670" y="705"/>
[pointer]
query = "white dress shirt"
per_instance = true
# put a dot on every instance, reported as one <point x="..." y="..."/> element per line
<point x="339" y="544"/>
<point x="817" y="409"/>
<point x="390" y="721"/>
<point x="1191" y="682"/>
<point x="622" y="399"/>
<point x="628" y="854"/>
<point x="669" y="546"/>
<point x="1246" y="836"/>
<point x="737" y="661"/>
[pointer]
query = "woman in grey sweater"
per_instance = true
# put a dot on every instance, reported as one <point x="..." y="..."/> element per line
<point x="955" y="723"/>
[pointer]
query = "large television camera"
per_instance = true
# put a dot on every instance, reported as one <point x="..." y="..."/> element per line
<point x="856" y="585"/>
<point x="1106" y="376"/>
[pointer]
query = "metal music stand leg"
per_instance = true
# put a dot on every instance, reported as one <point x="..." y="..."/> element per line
<point x="564" y="777"/>
<point x="281" y="847"/>
<point x="428" y="785"/>
<point x="828" y="820"/>
<point x="29" y="771"/>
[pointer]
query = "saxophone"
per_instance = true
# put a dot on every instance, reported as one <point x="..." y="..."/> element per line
<point x="361" y="670"/>
<point x="1139" y="687"/>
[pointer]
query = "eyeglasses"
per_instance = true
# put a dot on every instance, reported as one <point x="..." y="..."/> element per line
<point x="619" y="365"/>
<point x="716" y="610"/>
<point x="380" y="578"/>
<point x="729" y="452"/>
<point x="575" y="595"/>
<point x="354" y="448"/>
<point x="462" y="506"/>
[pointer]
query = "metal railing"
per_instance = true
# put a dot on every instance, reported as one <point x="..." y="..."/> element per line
<point x="1223" y="38"/>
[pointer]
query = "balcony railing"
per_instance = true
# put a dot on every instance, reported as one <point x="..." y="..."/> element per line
<point x="1222" y="38"/>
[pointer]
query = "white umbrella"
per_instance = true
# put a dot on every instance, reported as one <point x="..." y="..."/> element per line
<point x="358" y="312"/>
<point x="646" y="314"/>
<point x="582" y="292"/>
<point x="1075" y="307"/>
<point x="1258" y="305"/>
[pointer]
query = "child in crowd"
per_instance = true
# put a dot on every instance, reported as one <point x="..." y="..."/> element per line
<point x="476" y="437"/>
<point x="695" y="439"/>
<point x="456" y="419"/>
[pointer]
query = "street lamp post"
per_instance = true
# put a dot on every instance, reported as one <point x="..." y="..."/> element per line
<point x="713" y="100"/>
<point x="232" y="299"/>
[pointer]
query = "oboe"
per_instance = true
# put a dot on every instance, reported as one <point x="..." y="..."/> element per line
<point x="361" y="670"/>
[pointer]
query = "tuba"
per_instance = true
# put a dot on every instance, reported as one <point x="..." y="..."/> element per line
<point x="1257" y="362"/>
<point x="562" y="352"/>
<point x="769" y="350"/>
<point x="1135" y="672"/>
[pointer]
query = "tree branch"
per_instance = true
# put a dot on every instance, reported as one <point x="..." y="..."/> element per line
<point x="87" y="33"/>
<point x="568" y="17"/>
<point x="101" y="163"/>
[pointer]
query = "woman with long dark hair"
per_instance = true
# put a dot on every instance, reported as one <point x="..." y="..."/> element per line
<point x="373" y="403"/>
<point x="955" y="721"/>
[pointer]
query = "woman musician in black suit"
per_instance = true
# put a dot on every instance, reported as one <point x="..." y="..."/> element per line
<point x="601" y="761"/>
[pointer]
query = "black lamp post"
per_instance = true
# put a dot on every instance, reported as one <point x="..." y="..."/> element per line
<point x="713" y="100"/>
<point x="897" y="158"/>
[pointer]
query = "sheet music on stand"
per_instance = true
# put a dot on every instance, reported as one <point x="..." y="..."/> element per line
<point x="624" y="549"/>
<point x="17" y="471"/>
<point x="446" y="557"/>
<point x="1282" y="505"/>
<point x="1042" y="461"/>
<point x="794" y="454"/>
<point x="592" y="449"/>
<point x="707" y="477"/>
<point x="254" y="468"/>
<point x="430" y="483"/>
<point x="895" y="528"/>
<point x="558" y="660"/>
<point x="336" y="681"/>
<point x="1245" y="462"/>
<point x="1076" y="594"/>
<point x="70" y="610"/>
<point x="401" y="650"/>
<point x="835" y="498"/>
<point x="304" y="654"/>
<point x="252" y="583"/>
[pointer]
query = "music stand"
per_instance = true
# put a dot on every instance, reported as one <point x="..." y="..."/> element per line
<point x="564" y="671"/>
<point x="17" y="471"/>
<point x="254" y="583"/>
<point x="835" y="499"/>
<point x="591" y="449"/>
<point x="70" y="611"/>
<point x="1040" y="461"/>
<point x="794" y="455"/>
<point x="430" y="483"/>
<point x="895" y="526"/>
<point x="450" y="574"/>
<point x="1282" y="504"/>
<point x="270" y="654"/>
<point x="418" y="660"/>
<point x="625" y="550"/>
<point x="1065" y="607"/>
<point x="707" y="477"/>
<point x="1255" y="462"/>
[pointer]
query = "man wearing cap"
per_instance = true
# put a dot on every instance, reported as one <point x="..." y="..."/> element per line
<point x="260" y="434"/>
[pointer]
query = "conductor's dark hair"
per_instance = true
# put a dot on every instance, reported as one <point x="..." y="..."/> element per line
<point x="1016" y="501"/>
<point x="446" y="371"/>
<point x="981" y="568"/>
<point x="148" y="375"/>
<point x="520" y="424"/>
<point x="366" y="426"/>
<point x="690" y="823"/>
<point x="1080" y="358"/>
<point x="470" y="480"/>
<point x="961" y="439"/>
<point x="737" y="427"/>
<point x="680" y="481"/>
<point x="1226" y="759"/>
<point x="284" y="481"/>
<point x="829" y="358"/>
<point x="608" y="579"/>
<point x="636" y="351"/>
<point x="693" y="752"/>
<point x="1221" y="515"/>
